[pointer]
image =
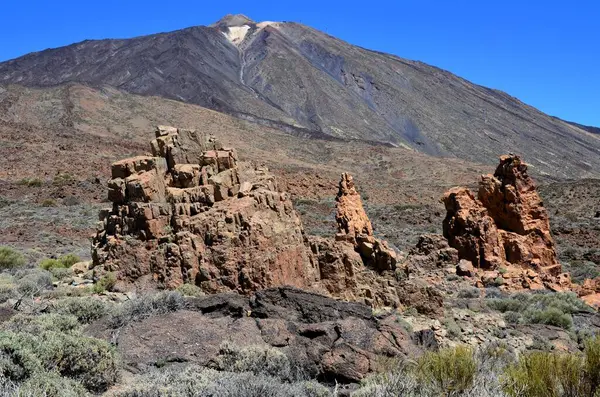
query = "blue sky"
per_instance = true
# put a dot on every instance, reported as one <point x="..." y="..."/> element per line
<point x="546" y="53"/>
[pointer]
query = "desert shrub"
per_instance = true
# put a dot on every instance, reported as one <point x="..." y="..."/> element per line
<point x="545" y="374"/>
<point x="540" y="308"/>
<point x="512" y="317"/>
<point x="8" y="287"/>
<point x="451" y="326"/>
<point x="86" y="310"/>
<point x="592" y="363"/>
<point x="451" y="372"/>
<point x="582" y="269"/>
<point x="64" y="261"/>
<point x="201" y="382"/>
<point x="66" y="291"/>
<point x="190" y="290"/>
<point x="32" y="282"/>
<point x="10" y="258"/>
<point x="550" y="316"/>
<point x="147" y="306"/>
<point x="450" y="369"/>
<point x="60" y="273"/>
<point x="62" y="178"/>
<point x="49" y="384"/>
<point x="49" y="203"/>
<point x="32" y="346"/>
<point x="48" y="264"/>
<point x="259" y="361"/>
<point x="105" y="283"/>
<point x="31" y="182"/>
<point x="534" y="375"/>
<point x="469" y="293"/>
<point x="29" y="324"/>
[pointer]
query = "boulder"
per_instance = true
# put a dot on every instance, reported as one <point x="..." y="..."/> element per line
<point x="465" y="268"/>
<point x="330" y="340"/>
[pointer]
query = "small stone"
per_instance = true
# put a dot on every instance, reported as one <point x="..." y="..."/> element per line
<point x="465" y="268"/>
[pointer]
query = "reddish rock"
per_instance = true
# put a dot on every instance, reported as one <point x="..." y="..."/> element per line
<point x="465" y="268"/>
<point x="194" y="214"/>
<point x="350" y="215"/>
<point x="505" y="226"/>
<point x="471" y="231"/>
<point x="355" y="227"/>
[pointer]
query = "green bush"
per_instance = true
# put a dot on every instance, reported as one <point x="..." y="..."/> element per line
<point x="106" y="283"/>
<point x="201" y="382"/>
<point x="545" y="374"/>
<point x="550" y="316"/>
<point x="592" y="363"/>
<point x="32" y="346"/>
<point x="86" y="310"/>
<point x="31" y="182"/>
<point x="540" y="308"/>
<point x="147" y="306"/>
<point x="10" y="258"/>
<point x="64" y="261"/>
<point x="190" y="290"/>
<point x="450" y="369"/>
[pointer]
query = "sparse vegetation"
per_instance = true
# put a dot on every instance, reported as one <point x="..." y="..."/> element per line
<point x="10" y="258"/>
<point x="105" y="283"/>
<point x="190" y="290"/>
<point x="540" y="308"/>
<point x="202" y="382"/>
<point x="49" y="203"/>
<point x="64" y="261"/>
<point x="258" y="360"/>
<point x="31" y="182"/>
<point x="37" y="350"/>
<point x="555" y="374"/>
<point x="452" y="369"/>
<point x="147" y="306"/>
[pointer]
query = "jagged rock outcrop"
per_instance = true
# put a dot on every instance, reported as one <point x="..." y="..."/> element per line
<point x="358" y="267"/>
<point x="505" y="228"/>
<point x="355" y="227"/>
<point x="193" y="213"/>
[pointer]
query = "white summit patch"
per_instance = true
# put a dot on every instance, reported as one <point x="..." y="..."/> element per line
<point x="262" y="25"/>
<point x="236" y="34"/>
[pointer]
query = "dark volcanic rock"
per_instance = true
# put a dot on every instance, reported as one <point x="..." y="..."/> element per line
<point x="331" y="340"/>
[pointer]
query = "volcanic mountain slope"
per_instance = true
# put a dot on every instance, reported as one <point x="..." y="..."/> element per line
<point x="307" y="83"/>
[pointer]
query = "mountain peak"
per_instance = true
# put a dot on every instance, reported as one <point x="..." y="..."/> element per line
<point x="232" y="20"/>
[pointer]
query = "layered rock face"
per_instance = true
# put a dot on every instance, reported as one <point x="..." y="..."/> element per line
<point x="193" y="213"/>
<point x="506" y="226"/>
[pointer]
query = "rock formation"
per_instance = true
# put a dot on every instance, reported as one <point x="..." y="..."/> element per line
<point x="355" y="227"/>
<point x="505" y="228"/>
<point x="358" y="267"/>
<point x="193" y="213"/>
